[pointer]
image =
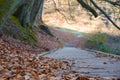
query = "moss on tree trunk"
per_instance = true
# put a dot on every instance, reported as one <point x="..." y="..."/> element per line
<point x="7" y="7"/>
<point x="17" y="18"/>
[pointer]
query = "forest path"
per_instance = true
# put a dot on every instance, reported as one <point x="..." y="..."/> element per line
<point x="88" y="62"/>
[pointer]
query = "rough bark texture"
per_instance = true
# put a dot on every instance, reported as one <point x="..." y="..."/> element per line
<point x="28" y="11"/>
<point x="25" y="10"/>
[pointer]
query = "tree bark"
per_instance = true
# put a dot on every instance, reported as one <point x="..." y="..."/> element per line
<point x="19" y="16"/>
<point x="28" y="12"/>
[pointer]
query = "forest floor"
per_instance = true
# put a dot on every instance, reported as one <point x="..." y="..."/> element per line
<point x="19" y="61"/>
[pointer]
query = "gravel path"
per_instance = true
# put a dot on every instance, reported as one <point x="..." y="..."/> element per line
<point x="87" y="62"/>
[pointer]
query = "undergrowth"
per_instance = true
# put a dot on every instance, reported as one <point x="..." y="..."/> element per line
<point x="98" y="41"/>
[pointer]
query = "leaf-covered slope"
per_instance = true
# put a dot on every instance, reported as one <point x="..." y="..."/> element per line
<point x="16" y="64"/>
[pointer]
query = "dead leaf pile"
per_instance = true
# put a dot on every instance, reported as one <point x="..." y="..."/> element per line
<point x="18" y="65"/>
<point x="20" y="45"/>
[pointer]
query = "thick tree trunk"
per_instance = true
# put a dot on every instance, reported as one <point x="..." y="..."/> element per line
<point x="28" y="12"/>
<point x="19" y="16"/>
<point x="38" y="4"/>
<point x="25" y="10"/>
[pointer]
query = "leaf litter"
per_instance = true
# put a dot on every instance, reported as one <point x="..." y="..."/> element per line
<point x="19" y="61"/>
<point x="16" y="64"/>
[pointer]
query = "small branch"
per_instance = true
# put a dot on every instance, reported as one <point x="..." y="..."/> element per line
<point x="69" y="8"/>
<point x="117" y="3"/>
<point x="60" y="12"/>
<point x="105" y="14"/>
<point x="86" y="6"/>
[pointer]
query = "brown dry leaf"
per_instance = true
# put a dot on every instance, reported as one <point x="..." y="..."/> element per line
<point x="16" y="78"/>
<point x="27" y="77"/>
<point x="82" y="78"/>
<point x="6" y="76"/>
<point x="2" y="78"/>
<point x="35" y="75"/>
<point x="1" y="68"/>
<point x="42" y="76"/>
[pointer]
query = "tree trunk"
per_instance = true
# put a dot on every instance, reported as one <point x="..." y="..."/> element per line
<point x="19" y="17"/>
<point x="25" y="10"/>
<point x="28" y="12"/>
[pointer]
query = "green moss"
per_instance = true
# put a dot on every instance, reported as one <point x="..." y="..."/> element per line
<point x="2" y="10"/>
<point x="24" y="34"/>
<point x="15" y="21"/>
<point x="5" y="6"/>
